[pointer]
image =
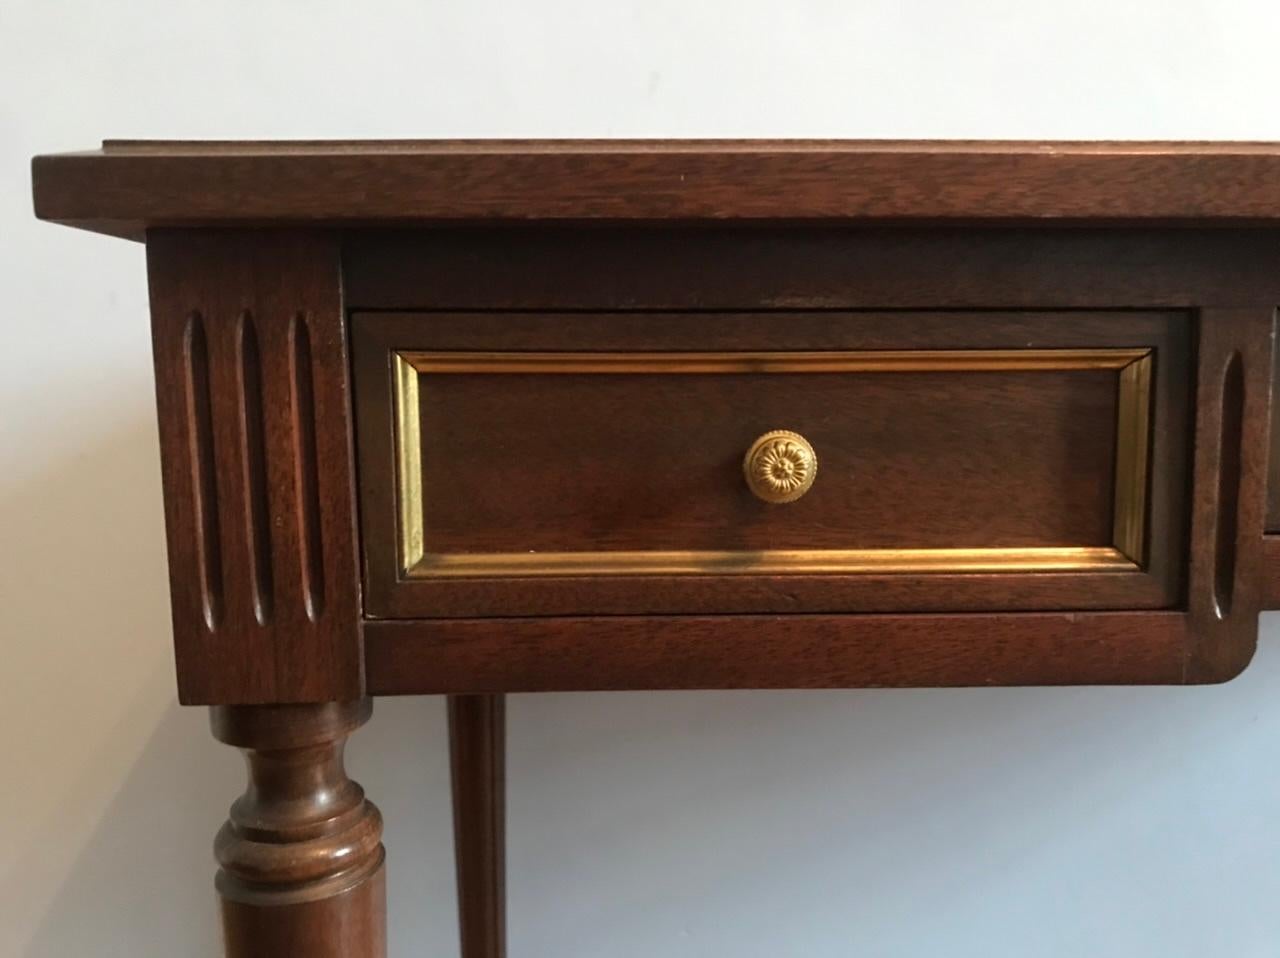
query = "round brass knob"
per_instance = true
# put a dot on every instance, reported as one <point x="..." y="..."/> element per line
<point x="780" y="466"/>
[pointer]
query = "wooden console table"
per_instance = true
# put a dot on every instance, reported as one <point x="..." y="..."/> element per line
<point x="472" y="418"/>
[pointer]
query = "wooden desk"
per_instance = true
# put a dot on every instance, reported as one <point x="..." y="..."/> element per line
<point x="483" y="417"/>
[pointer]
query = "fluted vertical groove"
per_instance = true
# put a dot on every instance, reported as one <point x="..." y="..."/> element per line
<point x="204" y="492"/>
<point x="254" y="456"/>
<point x="307" y="477"/>
<point x="1229" y="439"/>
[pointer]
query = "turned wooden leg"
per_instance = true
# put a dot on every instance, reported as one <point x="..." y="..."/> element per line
<point x="301" y="855"/>
<point x="477" y="749"/>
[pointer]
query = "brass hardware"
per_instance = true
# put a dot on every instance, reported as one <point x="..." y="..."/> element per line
<point x="461" y="565"/>
<point x="1126" y="554"/>
<point x="780" y="466"/>
<point x="1133" y="438"/>
<point x="869" y="361"/>
<point x="408" y="463"/>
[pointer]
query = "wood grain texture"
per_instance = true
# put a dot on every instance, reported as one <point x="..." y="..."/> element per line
<point x="477" y="754"/>
<point x="128" y="186"/>
<point x="802" y="651"/>
<point x="776" y="267"/>
<point x="1228" y="509"/>
<point x="930" y="460"/>
<point x="301" y="854"/>
<point x="1271" y="572"/>
<point x="257" y="461"/>
<point x="349" y="925"/>
<point x="803" y="269"/>
<point x="654" y="462"/>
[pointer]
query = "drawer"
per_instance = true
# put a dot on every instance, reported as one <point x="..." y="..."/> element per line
<point x="637" y="462"/>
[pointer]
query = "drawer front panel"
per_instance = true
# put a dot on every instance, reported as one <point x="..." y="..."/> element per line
<point x="581" y="478"/>
<point x="623" y="456"/>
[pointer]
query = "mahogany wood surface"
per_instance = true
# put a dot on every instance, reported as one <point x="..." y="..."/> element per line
<point x="1271" y="572"/>
<point x="805" y="651"/>
<point x="526" y="463"/>
<point x="654" y="462"/>
<point x="301" y="854"/>
<point x="129" y="186"/>
<point x="1228" y="509"/>
<point x="256" y="453"/>
<point x="478" y="756"/>
<point x="810" y="268"/>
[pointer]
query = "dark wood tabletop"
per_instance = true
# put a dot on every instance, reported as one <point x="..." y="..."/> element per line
<point x="128" y="185"/>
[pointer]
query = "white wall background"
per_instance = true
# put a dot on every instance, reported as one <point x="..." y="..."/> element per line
<point x="1088" y="822"/>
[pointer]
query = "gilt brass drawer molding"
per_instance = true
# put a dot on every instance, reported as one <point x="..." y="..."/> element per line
<point x="1133" y="427"/>
<point x="773" y="562"/>
<point x="833" y="361"/>
<point x="1133" y="450"/>
<point x="408" y="463"/>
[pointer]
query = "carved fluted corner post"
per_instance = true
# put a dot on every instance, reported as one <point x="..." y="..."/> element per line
<point x="301" y="854"/>
<point x="254" y="411"/>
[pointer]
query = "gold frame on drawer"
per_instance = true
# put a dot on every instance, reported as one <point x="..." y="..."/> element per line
<point x="1133" y="432"/>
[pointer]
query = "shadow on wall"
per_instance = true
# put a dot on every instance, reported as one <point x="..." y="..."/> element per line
<point x="142" y="882"/>
<point x="1079" y="821"/>
<point x="116" y="792"/>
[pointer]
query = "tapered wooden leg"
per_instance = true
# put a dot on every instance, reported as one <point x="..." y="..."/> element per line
<point x="477" y="749"/>
<point x="301" y="855"/>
